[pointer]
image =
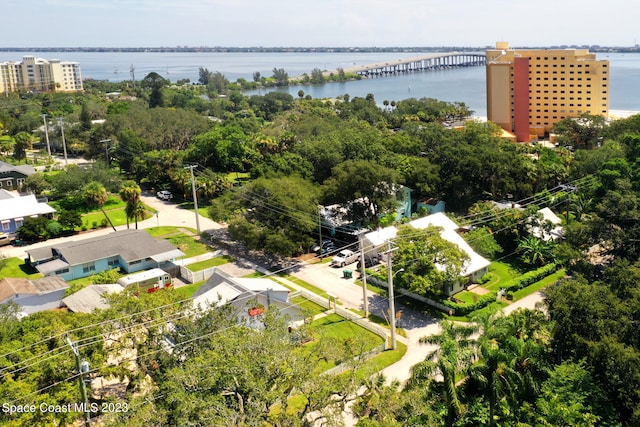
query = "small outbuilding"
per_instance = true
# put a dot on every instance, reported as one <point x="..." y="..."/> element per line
<point x="33" y="295"/>
<point x="91" y="298"/>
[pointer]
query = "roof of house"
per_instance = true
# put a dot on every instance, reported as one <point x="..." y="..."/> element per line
<point x="448" y="232"/>
<point x="130" y="245"/>
<point x="12" y="286"/>
<point x="6" y="194"/>
<point x="555" y="233"/>
<point x="90" y="298"/>
<point x="22" y="207"/>
<point x="221" y="288"/>
<point x="548" y="215"/>
<point x="23" y="169"/>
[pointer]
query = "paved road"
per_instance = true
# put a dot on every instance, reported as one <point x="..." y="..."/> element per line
<point x="168" y="214"/>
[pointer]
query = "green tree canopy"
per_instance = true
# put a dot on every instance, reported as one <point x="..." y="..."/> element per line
<point x="432" y="265"/>
<point x="366" y="189"/>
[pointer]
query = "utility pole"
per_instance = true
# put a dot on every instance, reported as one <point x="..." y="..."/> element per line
<point x="46" y="133"/>
<point x="82" y="368"/>
<point x="195" y="196"/>
<point x="106" y="149"/>
<point x="363" y="277"/>
<point x="64" y="143"/>
<point x="320" y="227"/>
<point x="392" y="307"/>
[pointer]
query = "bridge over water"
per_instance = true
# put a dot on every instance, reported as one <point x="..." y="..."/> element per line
<point x="434" y="61"/>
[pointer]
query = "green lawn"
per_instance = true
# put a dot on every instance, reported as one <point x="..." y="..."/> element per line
<point x="187" y="244"/>
<point x="334" y="326"/>
<point x="303" y="284"/>
<point x="204" y="211"/>
<point x="115" y="212"/>
<point x="167" y="230"/>
<point x="309" y="308"/>
<point x="549" y="280"/>
<point x="95" y="219"/>
<point x="467" y="297"/>
<point x="212" y="262"/>
<point x="501" y="272"/>
<point x="381" y="321"/>
<point x="15" y="267"/>
<point x="382" y="360"/>
<point x="187" y="291"/>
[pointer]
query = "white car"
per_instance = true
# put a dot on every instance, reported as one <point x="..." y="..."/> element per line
<point x="344" y="257"/>
<point x="164" y="195"/>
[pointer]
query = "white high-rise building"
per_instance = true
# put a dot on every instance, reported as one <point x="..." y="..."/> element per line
<point x="40" y="75"/>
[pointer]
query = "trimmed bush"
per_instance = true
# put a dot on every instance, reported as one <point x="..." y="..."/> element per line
<point x="510" y="287"/>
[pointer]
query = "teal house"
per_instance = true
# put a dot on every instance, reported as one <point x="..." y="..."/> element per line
<point x="129" y="250"/>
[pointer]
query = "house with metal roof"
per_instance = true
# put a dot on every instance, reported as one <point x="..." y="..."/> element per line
<point x="15" y="208"/>
<point x="374" y="243"/>
<point x="33" y="295"/>
<point x="130" y="250"/>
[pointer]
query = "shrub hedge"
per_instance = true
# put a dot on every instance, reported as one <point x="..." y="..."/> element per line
<point x="516" y="284"/>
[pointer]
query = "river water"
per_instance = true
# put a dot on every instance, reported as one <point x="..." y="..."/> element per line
<point x="459" y="84"/>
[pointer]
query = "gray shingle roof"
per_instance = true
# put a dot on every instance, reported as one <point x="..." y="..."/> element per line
<point x="90" y="298"/>
<point x="12" y="286"/>
<point x="131" y="245"/>
<point x="23" y="169"/>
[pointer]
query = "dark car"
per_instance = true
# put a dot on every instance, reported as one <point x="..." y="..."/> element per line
<point x="369" y="261"/>
<point x="327" y="247"/>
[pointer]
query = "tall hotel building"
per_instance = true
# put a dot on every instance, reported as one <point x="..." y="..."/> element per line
<point x="529" y="90"/>
<point x="40" y="75"/>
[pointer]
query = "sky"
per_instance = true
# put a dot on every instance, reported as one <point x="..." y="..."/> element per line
<point x="319" y="23"/>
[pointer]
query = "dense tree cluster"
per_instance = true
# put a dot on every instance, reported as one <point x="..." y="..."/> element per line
<point x="576" y="365"/>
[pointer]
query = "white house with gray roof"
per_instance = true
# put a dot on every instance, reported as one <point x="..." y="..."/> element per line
<point x="130" y="250"/>
<point x="33" y="295"/>
<point x="15" y="208"/>
<point x="249" y="296"/>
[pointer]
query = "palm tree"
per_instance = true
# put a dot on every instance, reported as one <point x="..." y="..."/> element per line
<point x="453" y="355"/>
<point x="536" y="251"/>
<point x="94" y="194"/>
<point x="130" y="193"/>
<point x="580" y="206"/>
<point x="139" y="212"/>
<point x="489" y="374"/>
<point x="511" y="363"/>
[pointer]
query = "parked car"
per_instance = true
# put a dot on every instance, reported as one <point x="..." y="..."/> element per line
<point x="164" y="195"/>
<point x="369" y="261"/>
<point x="344" y="257"/>
<point x="327" y="247"/>
<point x="6" y="239"/>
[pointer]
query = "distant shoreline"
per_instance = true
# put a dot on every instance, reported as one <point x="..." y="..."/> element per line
<point x="622" y="114"/>
<point x="293" y="49"/>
